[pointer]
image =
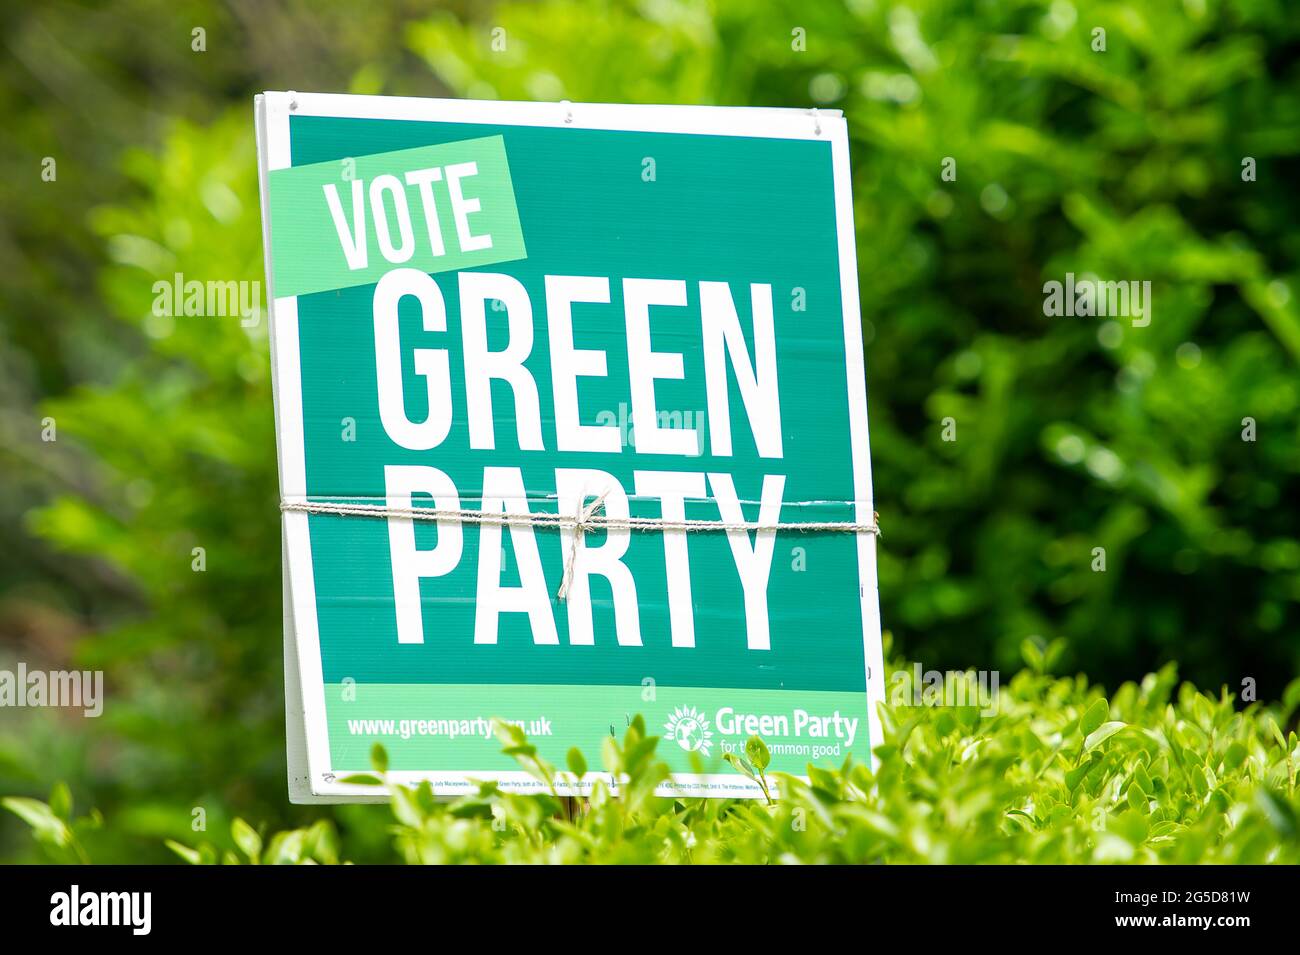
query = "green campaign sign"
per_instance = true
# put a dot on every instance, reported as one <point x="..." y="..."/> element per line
<point x="571" y="413"/>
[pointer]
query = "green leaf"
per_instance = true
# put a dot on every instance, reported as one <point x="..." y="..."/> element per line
<point x="1031" y="654"/>
<point x="1277" y="733"/>
<point x="1102" y="733"/>
<point x="322" y="842"/>
<point x="1074" y="776"/>
<point x="1291" y="697"/>
<point x="757" y="753"/>
<point x="61" y="801"/>
<point x="738" y="763"/>
<point x="246" y="838"/>
<point x="287" y="848"/>
<point x="1234" y="755"/>
<point x="509" y="734"/>
<point x="379" y="758"/>
<point x="824" y="781"/>
<point x="610" y="755"/>
<point x="406" y="807"/>
<point x="361" y="779"/>
<point x="577" y="764"/>
<point x="1096" y="714"/>
<point x="192" y="856"/>
<point x="1137" y="799"/>
<point x="1053" y="654"/>
<point x="45" y="824"/>
<point x="1142" y="780"/>
<point x="428" y="802"/>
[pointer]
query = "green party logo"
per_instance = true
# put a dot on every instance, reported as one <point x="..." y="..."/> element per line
<point x="690" y="730"/>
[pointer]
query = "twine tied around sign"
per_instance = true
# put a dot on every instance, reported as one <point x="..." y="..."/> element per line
<point x="586" y="519"/>
<point x="585" y="514"/>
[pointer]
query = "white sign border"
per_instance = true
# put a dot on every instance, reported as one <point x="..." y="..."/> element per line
<point x="312" y="778"/>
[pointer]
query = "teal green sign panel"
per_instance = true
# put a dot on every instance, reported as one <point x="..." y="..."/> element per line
<point x="506" y="310"/>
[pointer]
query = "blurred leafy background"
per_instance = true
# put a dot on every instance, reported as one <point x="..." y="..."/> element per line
<point x="1073" y="433"/>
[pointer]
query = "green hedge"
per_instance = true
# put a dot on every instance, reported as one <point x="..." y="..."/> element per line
<point x="1056" y="773"/>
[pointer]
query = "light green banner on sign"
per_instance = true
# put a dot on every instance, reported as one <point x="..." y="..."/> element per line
<point x="436" y="728"/>
<point x="434" y="208"/>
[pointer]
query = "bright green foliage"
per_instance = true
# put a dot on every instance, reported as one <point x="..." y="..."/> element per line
<point x="753" y="763"/>
<point x="1158" y="773"/>
<point x="317" y="844"/>
<point x="52" y="823"/>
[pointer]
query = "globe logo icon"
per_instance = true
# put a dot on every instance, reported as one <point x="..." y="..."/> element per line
<point x="689" y="729"/>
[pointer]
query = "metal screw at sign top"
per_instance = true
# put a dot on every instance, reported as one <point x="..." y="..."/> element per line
<point x="568" y="111"/>
<point x="817" y="123"/>
<point x="293" y="101"/>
